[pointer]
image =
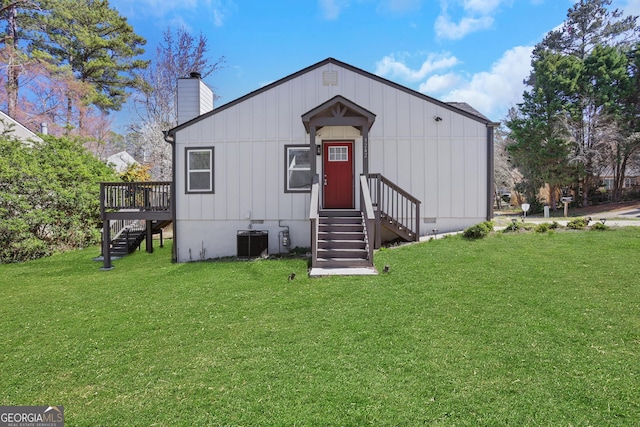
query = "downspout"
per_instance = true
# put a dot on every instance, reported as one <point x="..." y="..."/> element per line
<point x="170" y="138"/>
<point x="490" y="167"/>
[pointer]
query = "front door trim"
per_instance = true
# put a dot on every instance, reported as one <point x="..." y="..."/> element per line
<point x="338" y="172"/>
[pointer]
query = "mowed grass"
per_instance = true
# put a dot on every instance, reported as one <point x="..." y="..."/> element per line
<point x="535" y="329"/>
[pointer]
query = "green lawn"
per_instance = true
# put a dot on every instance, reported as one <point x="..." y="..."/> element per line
<point x="529" y="329"/>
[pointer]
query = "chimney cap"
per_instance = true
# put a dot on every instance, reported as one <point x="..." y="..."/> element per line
<point x="195" y="75"/>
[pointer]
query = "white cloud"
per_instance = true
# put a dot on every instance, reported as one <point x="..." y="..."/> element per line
<point x="440" y="83"/>
<point x="494" y="92"/>
<point x="390" y="67"/>
<point x="483" y="7"/>
<point x="177" y="21"/>
<point x="447" y="29"/>
<point x="399" y="6"/>
<point x="471" y="16"/>
<point x="630" y="7"/>
<point x="331" y="8"/>
<point x="219" y="10"/>
<point x="491" y="92"/>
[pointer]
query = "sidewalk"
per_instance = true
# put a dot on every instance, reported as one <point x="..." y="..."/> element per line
<point x="618" y="216"/>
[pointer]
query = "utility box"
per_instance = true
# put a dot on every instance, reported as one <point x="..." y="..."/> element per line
<point x="252" y="243"/>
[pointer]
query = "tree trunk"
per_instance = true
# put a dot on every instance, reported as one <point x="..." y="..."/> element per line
<point x="13" y="70"/>
<point x="69" y="116"/>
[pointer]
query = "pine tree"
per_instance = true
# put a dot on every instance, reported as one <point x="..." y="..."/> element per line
<point x="96" y="44"/>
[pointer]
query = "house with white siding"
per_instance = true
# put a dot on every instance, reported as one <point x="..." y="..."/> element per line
<point x="330" y="158"/>
<point x="16" y="129"/>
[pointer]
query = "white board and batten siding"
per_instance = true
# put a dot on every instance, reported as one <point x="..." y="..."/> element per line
<point x="199" y="96"/>
<point x="442" y="163"/>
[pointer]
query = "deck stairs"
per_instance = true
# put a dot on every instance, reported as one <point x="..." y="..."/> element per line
<point x="342" y="240"/>
<point x="397" y="227"/>
<point x="131" y="236"/>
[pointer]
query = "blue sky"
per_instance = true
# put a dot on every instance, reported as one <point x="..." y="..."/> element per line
<point x="476" y="51"/>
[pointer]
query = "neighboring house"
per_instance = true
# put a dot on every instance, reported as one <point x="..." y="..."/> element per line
<point x="121" y="161"/>
<point x="7" y="124"/>
<point x="247" y="167"/>
<point x="631" y="179"/>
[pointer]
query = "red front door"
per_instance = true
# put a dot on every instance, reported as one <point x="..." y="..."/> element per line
<point x="338" y="175"/>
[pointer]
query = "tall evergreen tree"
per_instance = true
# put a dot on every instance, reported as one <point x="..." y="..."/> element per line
<point x="15" y="15"/>
<point x="540" y="138"/>
<point x="589" y="24"/>
<point x="97" y="44"/>
<point x="578" y="74"/>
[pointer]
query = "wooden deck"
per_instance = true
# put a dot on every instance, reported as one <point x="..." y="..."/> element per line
<point x="122" y="202"/>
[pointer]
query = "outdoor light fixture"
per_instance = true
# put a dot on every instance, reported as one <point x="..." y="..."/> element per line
<point x="318" y="150"/>
<point x="514" y="220"/>
<point x="435" y="232"/>
<point x="603" y="220"/>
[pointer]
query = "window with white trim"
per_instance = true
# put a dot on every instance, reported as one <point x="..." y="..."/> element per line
<point x="199" y="170"/>
<point x="298" y="172"/>
<point x="608" y="183"/>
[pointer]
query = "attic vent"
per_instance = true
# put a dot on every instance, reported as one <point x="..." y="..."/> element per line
<point x="329" y="78"/>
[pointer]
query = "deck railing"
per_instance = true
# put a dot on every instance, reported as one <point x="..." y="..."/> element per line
<point x="120" y="226"/>
<point x="143" y="196"/>
<point x="394" y="207"/>
<point x="366" y="207"/>
<point x="314" y="216"/>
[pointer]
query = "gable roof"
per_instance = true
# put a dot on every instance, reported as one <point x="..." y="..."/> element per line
<point x="8" y="124"/>
<point x="340" y="111"/>
<point x="460" y="108"/>
<point x="121" y="161"/>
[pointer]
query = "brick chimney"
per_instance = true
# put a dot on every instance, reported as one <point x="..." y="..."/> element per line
<point x="194" y="98"/>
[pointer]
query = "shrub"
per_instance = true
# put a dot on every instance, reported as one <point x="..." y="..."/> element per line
<point x="49" y="197"/>
<point x="24" y="250"/>
<point x="577" y="224"/>
<point x="513" y="227"/>
<point x="478" y="231"/>
<point x="554" y="225"/>
<point x="543" y="227"/>
<point x="598" y="226"/>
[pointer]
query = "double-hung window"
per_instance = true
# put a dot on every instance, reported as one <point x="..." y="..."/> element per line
<point x="298" y="172"/>
<point x="199" y="170"/>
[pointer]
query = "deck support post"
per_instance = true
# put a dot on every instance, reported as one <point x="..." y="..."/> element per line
<point x="149" y="237"/>
<point x="106" y="245"/>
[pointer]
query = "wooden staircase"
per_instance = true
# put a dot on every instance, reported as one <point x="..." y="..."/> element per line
<point x="342" y="240"/>
<point x="131" y="237"/>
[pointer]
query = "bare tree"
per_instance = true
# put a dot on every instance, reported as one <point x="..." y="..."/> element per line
<point x="505" y="175"/>
<point x="13" y="58"/>
<point x="178" y="55"/>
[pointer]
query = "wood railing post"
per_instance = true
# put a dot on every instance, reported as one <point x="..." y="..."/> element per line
<point x="314" y="218"/>
<point x="417" y="221"/>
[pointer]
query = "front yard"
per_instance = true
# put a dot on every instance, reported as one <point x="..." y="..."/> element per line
<point x="514" y="329"/>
